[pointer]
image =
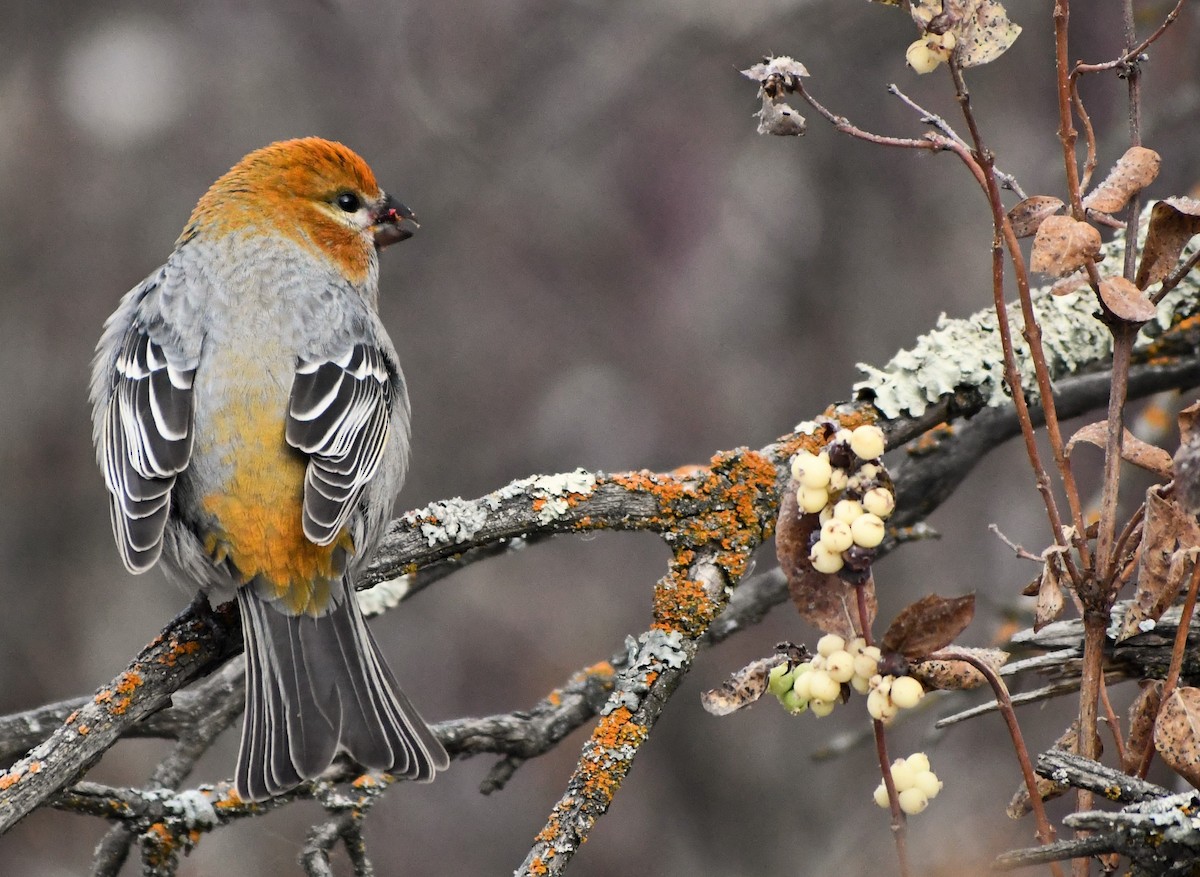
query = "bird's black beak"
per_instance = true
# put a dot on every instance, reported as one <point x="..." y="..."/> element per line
<point x="392" y="222"/>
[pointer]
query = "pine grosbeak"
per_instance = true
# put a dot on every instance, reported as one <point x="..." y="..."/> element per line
<point x="252" y="424"/>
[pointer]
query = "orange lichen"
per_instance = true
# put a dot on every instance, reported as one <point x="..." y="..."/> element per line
<point x="160" y="844"/>
<point x="682" y="604"/>
<point x="35" y="767"/>
<point x="84" y="730"/>
<point x="537" y="866"/>
<point x="8" y="780"/>
<point x="554" y="698"/>
<point x="103" y="696"/>
<point x="177" y="650"/>
<point x="608" y="754"/>
<point x="72" y="717"/>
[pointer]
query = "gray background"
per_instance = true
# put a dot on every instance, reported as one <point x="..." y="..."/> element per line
<point x="613" y="271"/>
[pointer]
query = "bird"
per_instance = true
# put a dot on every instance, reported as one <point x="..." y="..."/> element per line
<point x="252" y="425"/>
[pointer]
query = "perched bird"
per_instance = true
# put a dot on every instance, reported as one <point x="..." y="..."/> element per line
<point x="252" y="425"/>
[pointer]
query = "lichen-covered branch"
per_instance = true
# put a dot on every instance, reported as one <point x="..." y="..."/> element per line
<point x="713" y="517"/>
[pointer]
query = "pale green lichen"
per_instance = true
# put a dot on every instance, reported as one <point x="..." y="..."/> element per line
<point x="385" y="595"/>
<point x="966" y="353"/>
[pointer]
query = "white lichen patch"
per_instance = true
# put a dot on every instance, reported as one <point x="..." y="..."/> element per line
<point x="552" y="489"/>
<point x="966" y="353"/>
<point x="653" y="651"/>
<point x="194" y="807"/>
<point x="449" y="522"/>
<point x="381" y="597"/>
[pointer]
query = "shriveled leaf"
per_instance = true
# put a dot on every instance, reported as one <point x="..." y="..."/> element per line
<point x="1142" y="713"/>
<point x="927" y="625"/>
<point x="1047" y="789"/>
<point x="947" y="674"/>
<point x="1173" y="222"/>
<point x="1133" y="449"/>
<point x="1050" y="600"/>
<point x="888" y="2"/>
<point x="1187" y="460"/>
<point x="1062" y="245"/>
<point x="741" y="689"/>
<point x="1177" y="733"/>
<point x="1028" y="213"/>
<point x="1170" y="537"/>
<point x="824" y="601"/>
<point x="778" y="117"/>
<point x="1134" y="171"/>
<point x="1126" y="301"/>
<point x="1073" y="282"/>
<point x="984" y="32"/>
<point x="776" y="78"/>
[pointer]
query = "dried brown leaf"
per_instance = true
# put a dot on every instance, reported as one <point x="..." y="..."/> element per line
<point x="824" y="601"/>
<point x="1169" y="539"/>
<point x="1134" y="171"/>
<point x="1126" y="301"/>
<point x="984" y="32"/>
<point x="1133" y="449"/>
<point x="1142" y="713"/>
<point x="927" y="625"/>
<point x="1028" y="213"/>
<point x="954" y="675"/>
<point x="1050" y="600"/>
<point x="742" y="688"/>
<point x="1187" y="460"/>
<point x="1073" y="282"/>
<point x="1177" y="733"/>
<point x="777" y="77"/>
<point x="1173" y="222"/>
<point x="1062" y="245"/>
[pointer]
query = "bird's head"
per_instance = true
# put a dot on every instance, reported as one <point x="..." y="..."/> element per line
<point x="315" y="192"/>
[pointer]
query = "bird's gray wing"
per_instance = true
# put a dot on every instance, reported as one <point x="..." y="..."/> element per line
<point x="145" y="438"/>
<point x="339" y="414"/>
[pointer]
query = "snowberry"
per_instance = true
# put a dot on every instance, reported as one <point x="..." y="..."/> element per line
<point x="913" y="801"/>
<point x="906" y="692"/>
<point x="836" y="535"/>
<point x="812" y="499"/>
<point x="811" y="470"/>
<point x="830" y="643"/>
<point x="867" y="442"/>
<point x="879" y="501"/>
<point x="868" y="530"/>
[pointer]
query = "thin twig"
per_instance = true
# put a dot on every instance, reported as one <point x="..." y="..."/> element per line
<point x="1045" y="830"/>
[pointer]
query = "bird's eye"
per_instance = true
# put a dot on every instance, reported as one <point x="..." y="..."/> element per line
<point x="348" y="201"/>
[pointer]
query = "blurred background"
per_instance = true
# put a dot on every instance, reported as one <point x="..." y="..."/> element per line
<point x="613" y="271"/>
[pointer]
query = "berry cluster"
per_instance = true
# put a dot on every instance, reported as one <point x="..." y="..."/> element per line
<point x="852" y="495"/>
<point x="817" y="684"/>
<point x="916" y="784"/>
<point x="890" y="694"/>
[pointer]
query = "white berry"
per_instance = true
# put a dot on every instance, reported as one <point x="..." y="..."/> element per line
<point x="913" y="801"/>
<point x="906" y="692"/>
<point x="868" y="530"/>
<point x="928" y="783"/>
<point x="830" y="643"/>
<point x="919" y="762"/>
<point x="821" y="708"/>
<point x="836" y="535"/>
<point x="847" y="510"/>
<point x="867" y="442"/>
<point x="812" y="499"/>
<point x="811" y="470"/>
<point x="881" y="796"/>
<point x="840" y="666"/>
<point x="903" y="775"/>
<point x="824" y="560"/>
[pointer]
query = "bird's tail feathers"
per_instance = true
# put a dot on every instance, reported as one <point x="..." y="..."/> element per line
<point x="319" y="686"/>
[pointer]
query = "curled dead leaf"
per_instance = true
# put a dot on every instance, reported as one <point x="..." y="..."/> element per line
<point x="1050" y="599"/>
<point x="947" y="674"/>
<point x="1170" y="537"/>
<point x="1126" y="301"/>
<point x="1063" y="245"/>
<point x="1142" y="714"/>
<point x="1173" y="222"/>
<point x="927" y="625"/>
<point x="982" y="29"/>
<point x="1133" y="449"/>
<point x="1073" y="282"/>
<point x="742" y="688"/>
<point x="1177" y="733"/>
<point x="776" y="78"/>
<point x="1028" y="213"/>
<point x="1134" y="171"/>
<point x="1187" y="460"/>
